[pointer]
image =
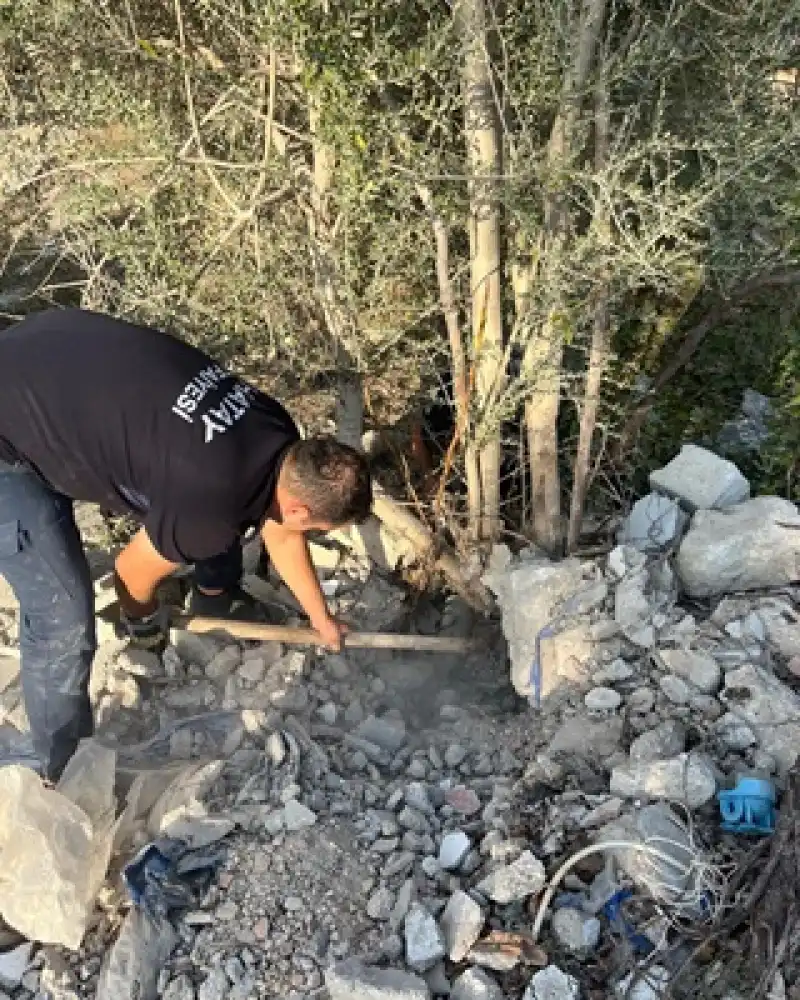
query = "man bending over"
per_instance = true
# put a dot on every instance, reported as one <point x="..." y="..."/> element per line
<point x="99" y="410"/>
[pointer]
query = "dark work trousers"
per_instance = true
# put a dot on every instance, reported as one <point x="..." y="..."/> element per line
<point x="42" y="559"/>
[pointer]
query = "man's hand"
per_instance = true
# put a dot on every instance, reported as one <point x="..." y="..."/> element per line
<point x="138" y="570"/>
<point x="331" y="631"/>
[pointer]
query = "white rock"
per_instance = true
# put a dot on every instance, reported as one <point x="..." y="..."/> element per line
<point x="688" y="778"/>
<point x="769" y="708"/>
<point x="633" y="610"/>
<point x="654" y="523"/>
<point x="14" y="964"/>
<point x="251" y="671"/>
<point x="140" y="662"/>
<point x="602" y="699"/>
<point x="297" y="817"/>
<point x="644" y="984"/>
<point x="576" y="932"/>
<point x="784" y="635"/>
<point x="329" y="713"/>
<point x="380" y="904"/>
<point x="275" y="748"/>
<point x="735" y="733"/>
<point x="529" y="593"/>
<point x="701" y="480"/>
<point x="552" y="984"/>
<point x="675" y="689"/>
<point x="453" y="849"/>
<point x="753" y="546"/>
<point x="475" y="984"/>
<point x="616" y="671"/>
<point x="424" y="941"/>
<point x="352" y="980"/>
<point x="461" y="923"/>
<point x="624" y="559"/>
<point x="700" y="670"/>
<point x="666" y="740"/>
<point x="517" y="881"/>
<point x="222" y="662"/>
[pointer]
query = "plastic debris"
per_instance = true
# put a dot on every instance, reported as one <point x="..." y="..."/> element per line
<point x="749" y="807"/>
<point x="614" y="912"/>
<point x="165" y="876"/>
<point x="132" y="967"/>
<point x="56" y="845"/>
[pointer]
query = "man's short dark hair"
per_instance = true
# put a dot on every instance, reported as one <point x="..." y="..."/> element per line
<point x="331" y="478"/>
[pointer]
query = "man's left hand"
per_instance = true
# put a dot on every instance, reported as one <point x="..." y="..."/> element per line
<point x="331" y="631"/>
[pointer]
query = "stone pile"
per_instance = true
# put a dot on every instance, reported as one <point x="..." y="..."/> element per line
<point x="392" y="829"/>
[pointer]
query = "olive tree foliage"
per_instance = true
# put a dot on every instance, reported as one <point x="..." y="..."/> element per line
<point x="557" y="201"/>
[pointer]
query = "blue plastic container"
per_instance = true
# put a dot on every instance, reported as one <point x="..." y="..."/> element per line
<point x="749" y="807"/>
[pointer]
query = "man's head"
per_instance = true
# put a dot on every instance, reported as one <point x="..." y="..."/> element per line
<point x="322" y="485"/>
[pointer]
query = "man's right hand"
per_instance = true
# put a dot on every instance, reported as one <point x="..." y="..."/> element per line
<point x="331" y="631"/>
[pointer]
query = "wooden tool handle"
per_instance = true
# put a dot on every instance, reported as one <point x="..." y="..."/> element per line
<point x="258" y="632"/>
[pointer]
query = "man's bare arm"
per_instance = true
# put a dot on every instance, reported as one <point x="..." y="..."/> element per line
<point x="138" y="571"/>
<point x="288" y="551"/>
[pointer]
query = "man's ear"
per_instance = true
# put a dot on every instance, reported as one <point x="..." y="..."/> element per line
<point x="295" y="512"/>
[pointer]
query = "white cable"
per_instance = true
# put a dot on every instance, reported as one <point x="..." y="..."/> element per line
<point x="611" y="845"/>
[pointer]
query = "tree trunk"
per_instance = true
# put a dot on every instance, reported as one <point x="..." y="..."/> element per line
<point x="350" y="391"/>
<point x="600" y="346"/>
<point x="483" y="156"/>
<point x="458" y="360"/>
<point x="544" y="351"/>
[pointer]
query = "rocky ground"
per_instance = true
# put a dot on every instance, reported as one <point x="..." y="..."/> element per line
<point x="389" y="823"/>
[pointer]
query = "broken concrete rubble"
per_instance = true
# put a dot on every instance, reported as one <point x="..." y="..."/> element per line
<point x="353" y="980"/>
<point x="453" y="849"/>
<point x="701" y="480"/>
<point x="769" y="708"/>
<point x="753" y="546"/>
<point x="655" y="523"/>
<point x="461" y="923"/>
<point x="586" y="737"/>
<point x="666" y="740"/>
<point x="14" y="964"/>
<point x="517" y="881"/>
<point x="602" y="699"/>
<point x="552" y="984"/>
<point x="687" y="778"/>
<point x="575" y="932"/>
<point x="475" y="984"/>
<point x="425" y="944"/>
<point x="530" y="593"/>
<point x="699" y="669"/>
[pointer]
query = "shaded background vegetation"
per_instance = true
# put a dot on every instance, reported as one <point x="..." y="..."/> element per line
<point x="278" y="182"/>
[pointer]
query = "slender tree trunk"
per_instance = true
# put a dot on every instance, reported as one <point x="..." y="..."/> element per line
<point x="600" y="346"/>
<point x="349" y="415"/>
<point x="483" y="156"/>
<point x="458" y="359"/>
<point x="544" y="352"/>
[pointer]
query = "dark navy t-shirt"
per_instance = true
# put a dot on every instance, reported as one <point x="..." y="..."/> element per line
<point x="140" y="422"/>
